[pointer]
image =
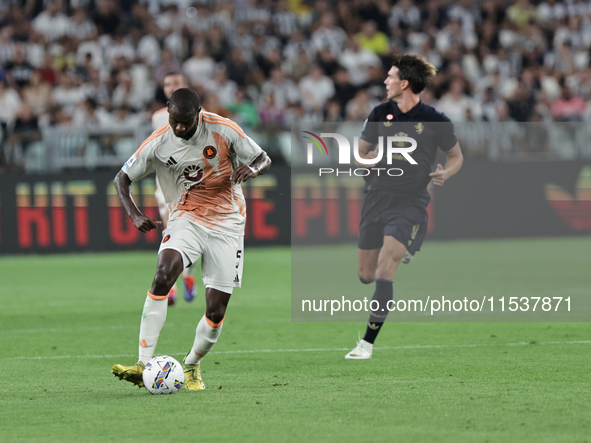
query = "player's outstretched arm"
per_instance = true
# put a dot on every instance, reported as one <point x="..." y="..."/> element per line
<point x="259" y="166"/>
<point x="453" y="164"/>
<point x="140" y="220"/>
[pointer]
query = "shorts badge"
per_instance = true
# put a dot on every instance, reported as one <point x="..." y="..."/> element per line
<point x="165" y="239"/>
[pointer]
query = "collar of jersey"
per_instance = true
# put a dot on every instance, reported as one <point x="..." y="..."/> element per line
<point x="195" y="136"/>
<point x="412" y="113"/>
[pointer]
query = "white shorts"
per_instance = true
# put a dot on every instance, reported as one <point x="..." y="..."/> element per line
<point x="222" y="255"/>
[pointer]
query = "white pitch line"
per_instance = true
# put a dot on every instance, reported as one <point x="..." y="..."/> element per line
<point x="66" y="330"/>
<point x="273" y="351"/>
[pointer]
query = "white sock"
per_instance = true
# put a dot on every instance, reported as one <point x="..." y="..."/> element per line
<point x="153" y="318"/>
<point x="206" y="335"/>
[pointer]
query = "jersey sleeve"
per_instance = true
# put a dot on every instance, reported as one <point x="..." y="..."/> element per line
<point x="246" y="149"/>
<point x="369" y="133"/>
<point x="445" y="134"/>
<point x="140" y="163"/>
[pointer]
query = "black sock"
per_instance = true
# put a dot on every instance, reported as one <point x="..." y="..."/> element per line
<point x="364" y="281"/>
<point x="383" y="294"/>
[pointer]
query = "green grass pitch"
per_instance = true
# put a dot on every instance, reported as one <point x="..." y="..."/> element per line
<point x="64" y="320"/>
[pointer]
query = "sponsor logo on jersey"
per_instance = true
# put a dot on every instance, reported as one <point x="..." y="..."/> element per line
<point x="209" y="152"/>
<point x="193" y="173"/>
<point x="171" y="161"/>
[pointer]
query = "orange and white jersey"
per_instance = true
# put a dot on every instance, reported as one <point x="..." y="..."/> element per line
<point x="159" y="118"/>
<point x="195" y="174"/>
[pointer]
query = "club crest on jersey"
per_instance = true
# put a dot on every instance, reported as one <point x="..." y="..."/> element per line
<point x="420" y="128"/>
<point x="400" y="144"/>
<point x="193" y="173"/>
<point x="209" y="152"/>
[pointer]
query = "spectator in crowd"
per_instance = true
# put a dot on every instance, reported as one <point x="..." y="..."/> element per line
<point x="271" y="115"/>
<point x="23" y="134"/>
<point x="372" y="39"/>
<point x="53" y="23"/>
<point x="107" y="16"/>
<point x="10" y="103"/>
<point x="333" y="112"/>
<point x="344" y="90"/>
<point x="81" y="26"/>
<point x="217" y="44"/>
<point x="66" y="94"/>
<point x="517" y="58"/>
<point x="316" y="88"/>
<point x="37" y="94"/>
<point x="456" y="103"/>
<point x="200" y="67"/>
<point x="284" y="91"/>
<point x="243" y="110"/>
<point x="404" y="14"/>
<point x="491" y="105"/>
<point x="237" y="67"/>
<point x="360" y="106"/>
<point x="127" y="93"/>
<point x="521" y="13"/>
<point x="168" y="63"/>
<point x="568" y="107"/>
<point x="89" y="115"/>
<point x="357" y="61"/>
<point x="221" y="86"/>
<point x="328" y="35"/>
<point x="19" y="70"/>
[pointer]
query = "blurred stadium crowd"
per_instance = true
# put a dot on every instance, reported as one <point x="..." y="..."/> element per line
<point x="268" y="64"/>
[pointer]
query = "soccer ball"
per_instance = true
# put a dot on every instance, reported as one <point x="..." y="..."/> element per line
<point x="163" y="375"/>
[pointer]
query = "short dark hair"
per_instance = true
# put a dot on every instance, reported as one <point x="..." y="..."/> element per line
<point x="417" y="71"/>
<point x="185" y="100"/>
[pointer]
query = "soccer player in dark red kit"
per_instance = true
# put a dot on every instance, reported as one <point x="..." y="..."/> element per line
<point x="394" y="217"/>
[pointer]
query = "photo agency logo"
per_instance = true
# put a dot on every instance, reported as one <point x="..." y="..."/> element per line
<point x="396" y="147"/>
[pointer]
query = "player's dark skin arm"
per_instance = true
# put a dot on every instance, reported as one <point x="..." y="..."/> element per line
<point x="259" y="166"/>
<point x="140" y="220"/>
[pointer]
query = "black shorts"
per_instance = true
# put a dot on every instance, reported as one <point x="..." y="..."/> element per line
<point x="384" y="214"/>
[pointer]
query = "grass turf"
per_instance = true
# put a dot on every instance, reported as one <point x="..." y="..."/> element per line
<point x="64" y="320"/>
